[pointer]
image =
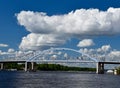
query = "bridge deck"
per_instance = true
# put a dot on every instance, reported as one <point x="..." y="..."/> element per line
<point x="12" y="61"/>
<point x="64" y="61"/>
<point x="58" y="61"/>
<point x="110" y="62"/>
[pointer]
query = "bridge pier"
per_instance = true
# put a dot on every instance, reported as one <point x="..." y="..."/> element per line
<point x="32" y="66"/>
<point x="29" y="66"/>
<point x="25" y="66"/>
<point x="100" y="68"/>
<point x="1" y="66"/>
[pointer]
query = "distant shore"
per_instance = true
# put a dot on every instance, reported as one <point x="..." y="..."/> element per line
<point x="46" y="67"/>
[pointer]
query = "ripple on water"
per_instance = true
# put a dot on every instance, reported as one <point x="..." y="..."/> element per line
<point x="51" y="79"/>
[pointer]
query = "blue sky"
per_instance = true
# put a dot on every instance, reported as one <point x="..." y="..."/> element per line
<point x="12" y="32"/>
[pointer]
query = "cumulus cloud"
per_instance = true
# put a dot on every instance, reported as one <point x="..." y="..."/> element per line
<point x="40" y="41"/>
<point x="3" y="45"/>
<point x="104" y="53"/>
<point x="106" y="48"/>
<point x="3" y="53"/>
<point x="81" y="23"/>
<point x="65" y="55"/>
<point x="11" y="50"/>
<point x="54" y="56"/>
<point x="102" y="50"/>
<point x="78" y="22"/>
<point x="115" y="53"/>
<point x="86" y="43"/>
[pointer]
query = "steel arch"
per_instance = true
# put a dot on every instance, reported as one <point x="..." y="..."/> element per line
<point x="69" y="49"/>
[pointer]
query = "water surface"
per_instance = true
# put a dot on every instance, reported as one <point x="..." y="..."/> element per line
<point x="49" y="79"/>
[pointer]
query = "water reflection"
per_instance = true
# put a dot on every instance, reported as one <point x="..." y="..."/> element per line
<point x="57" y="80"/>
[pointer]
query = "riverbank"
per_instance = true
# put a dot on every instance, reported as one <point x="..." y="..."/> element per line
<point x="58" y="67"/>
<point x="46" y="67"/>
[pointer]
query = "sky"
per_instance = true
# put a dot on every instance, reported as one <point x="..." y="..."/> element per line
<point x="88" y="25"/>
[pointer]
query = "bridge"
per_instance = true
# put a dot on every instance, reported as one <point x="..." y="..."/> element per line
<point x="56" y="55"/>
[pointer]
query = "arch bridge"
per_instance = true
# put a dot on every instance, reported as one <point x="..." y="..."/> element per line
<point x="55" y="55"/>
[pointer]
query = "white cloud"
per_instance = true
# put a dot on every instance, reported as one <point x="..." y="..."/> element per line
<point x="3" y="45"/>
<point x="65" y="55"/>
<point x="54" y="56"/>
<point x="0" y="52"/>
<point x="106" y="48"/>
<point x="86" y="43"/>
<point x="19" y="53"/>
<point x="40" y="41"/>
<point x="11" y="50"/>
<point x="115" y="53"/>
<point x="102" y="50"/>
<point x="105" y="52"/>
<point x="3" y="53"/>
<point x="81" y="22"/>
<point x="47" y="31"/>
<point x="59" y="53"/>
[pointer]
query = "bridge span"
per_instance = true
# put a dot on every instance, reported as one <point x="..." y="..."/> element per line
<point x="37" y="57"/>
<point x="99" y="65"/>
<point x="39" y="61"/>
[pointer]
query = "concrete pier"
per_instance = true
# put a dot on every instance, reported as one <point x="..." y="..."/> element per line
<point x="25" y="66"/>
<point x="1" y="66"/>
<point x="32" y="65"/>
<point x="29" y="66"/>
<point x="100" y="68"/>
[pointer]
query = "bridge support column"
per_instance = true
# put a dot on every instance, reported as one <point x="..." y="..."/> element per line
<point x="25" y="66"/>
<point x="32" y="67"/>
<point x="1" y="66"/>
<point x="100" y="68"/>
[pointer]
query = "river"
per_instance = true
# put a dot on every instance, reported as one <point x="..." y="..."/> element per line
<point x="59" y="79"/>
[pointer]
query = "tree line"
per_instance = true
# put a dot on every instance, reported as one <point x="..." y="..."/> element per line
<point x="47" y="67"/>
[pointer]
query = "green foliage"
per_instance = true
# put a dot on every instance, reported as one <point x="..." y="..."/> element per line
<point x="118" y="70"/>
<point x="13" y="66"/>
<point x="46" y="67"/>
<point x="10" y="65"/>
<point x="57" y="67"/>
